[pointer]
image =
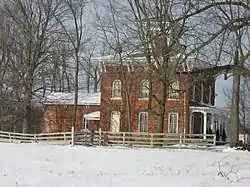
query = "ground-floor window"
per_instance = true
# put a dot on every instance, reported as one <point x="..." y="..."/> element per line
<point x="115" y="121"/>
<point x="173" y="123"/>
<point x="143" y="122"/>
<point x="85" y="123"/>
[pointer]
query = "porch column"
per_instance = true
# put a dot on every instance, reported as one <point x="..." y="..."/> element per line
<point x="190" y="122"/>
<point x="212" y="122"/>
<point x="205" y="125"/>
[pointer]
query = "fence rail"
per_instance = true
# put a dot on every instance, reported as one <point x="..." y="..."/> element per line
<point x="160" y="139"/>
<point x="12" y="137"/>
<point x="105" y="138"/>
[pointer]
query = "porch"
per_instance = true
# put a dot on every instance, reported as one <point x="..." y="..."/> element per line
<point x="91" y="121"/>
<point x="209" y="120"/>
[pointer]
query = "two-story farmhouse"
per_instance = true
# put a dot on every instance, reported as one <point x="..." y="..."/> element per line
<point x="132" y="96"/>
<point x="189" y="106"/>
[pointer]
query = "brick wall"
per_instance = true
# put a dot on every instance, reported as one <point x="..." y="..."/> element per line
<point x="58" y="118"/>
<point x="133" y="80"/>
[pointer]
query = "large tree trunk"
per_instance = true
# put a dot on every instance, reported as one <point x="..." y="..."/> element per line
<point x="76" y="89"/>
<point x="234" y="118"/>
<point x="162" y="105"/>
<point x="128" y="109"/>
<point x="27" y="112"/>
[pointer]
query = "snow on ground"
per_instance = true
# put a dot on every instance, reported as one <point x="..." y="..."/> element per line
<point x="34" y="165"/>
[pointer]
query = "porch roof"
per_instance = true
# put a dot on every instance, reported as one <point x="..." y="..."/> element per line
<point x="92" y="116"/>
<point x="214" y="110"/>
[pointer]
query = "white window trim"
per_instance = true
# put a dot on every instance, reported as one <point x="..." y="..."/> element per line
<point x="111" y="115"/>
<point x="143" y="98"/>
<point x="85" y="124"/>
<point x="170" y="91"/>
<point x="202" y="93"/>
<point x="210" y="95"/>
<point x="194" y="92"/>
<point x="140" y="121"/>
<point x="177" y="126"/>
<point x="112" y="91"/>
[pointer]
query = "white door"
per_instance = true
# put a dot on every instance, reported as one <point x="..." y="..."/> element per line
<point x="115" y="122"/>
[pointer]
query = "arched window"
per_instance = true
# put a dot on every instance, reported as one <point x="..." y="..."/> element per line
<point x="116" y="89"/>
<point x="144" y="89"/>
<point x="174" y="90"/>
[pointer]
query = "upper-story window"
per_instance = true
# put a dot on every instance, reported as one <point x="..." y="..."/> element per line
<point x="202" y="93"/>
<point x="210" y="95"/>
<point x="174" y="90"/>
<point x="144" y="89"/>
<point x="194" y="93"/>
<point x="116" y="89"/>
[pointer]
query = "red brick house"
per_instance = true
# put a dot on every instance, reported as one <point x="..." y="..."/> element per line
<point x="58" y="112"/>
<point x="191" y="110"/>
<point x="124" y="101"/>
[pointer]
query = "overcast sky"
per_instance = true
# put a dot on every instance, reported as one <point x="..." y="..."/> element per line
<point x="221" y="84"/>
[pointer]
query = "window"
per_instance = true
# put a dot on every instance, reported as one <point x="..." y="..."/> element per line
<point x="116" y="89"/>
<point x="115" y="121"/>
<point x="174" y="90"/>
<point x="85" y="123"/>
<point x="144" y="89"/>
<point x="210" y="95"/>
<point x="173" y="123"/>
<point x="143" y="122"/>
<point x="193" y="94"/>
<point x="202" y="92"/>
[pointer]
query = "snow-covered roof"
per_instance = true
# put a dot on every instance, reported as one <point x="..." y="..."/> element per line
<point x="68" y="98"/>
<point x="92" y="116"/>
<point x="140" y="59"/>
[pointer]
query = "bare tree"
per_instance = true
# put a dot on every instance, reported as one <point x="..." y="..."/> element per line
<point x="91" y="68"/>
<point x="27" y="42"/>
<point x="169" y="24"/>
<point x="72" y="26"/>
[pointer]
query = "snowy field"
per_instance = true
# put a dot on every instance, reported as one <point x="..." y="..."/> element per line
<point x="34" y="165"/>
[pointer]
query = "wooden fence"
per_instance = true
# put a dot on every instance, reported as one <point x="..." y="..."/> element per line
<point x="159" y="140"/>
<point x="129" y="139"/>
<point x="64" y="137"/>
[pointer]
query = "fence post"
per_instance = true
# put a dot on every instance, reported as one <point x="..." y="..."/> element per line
<point x="100" y="136"/>
<point x="180" y="140"/>
<point x="64" y="137"/>
<point x="151" y="140"/>
<point x="10" y="137"/>
<point x="123" y="138"/>
<point x="72" y="136"/>
<point x="35" y="139"/>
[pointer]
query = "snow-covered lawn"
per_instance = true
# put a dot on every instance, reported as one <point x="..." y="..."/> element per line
<point x="34" y="165"/>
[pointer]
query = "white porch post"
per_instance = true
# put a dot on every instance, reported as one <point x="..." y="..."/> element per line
<point x="205" y="125"/>
<point x="219" y="124"/>
<point x="190" y="122"/>
<point x="212" y="122"/>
